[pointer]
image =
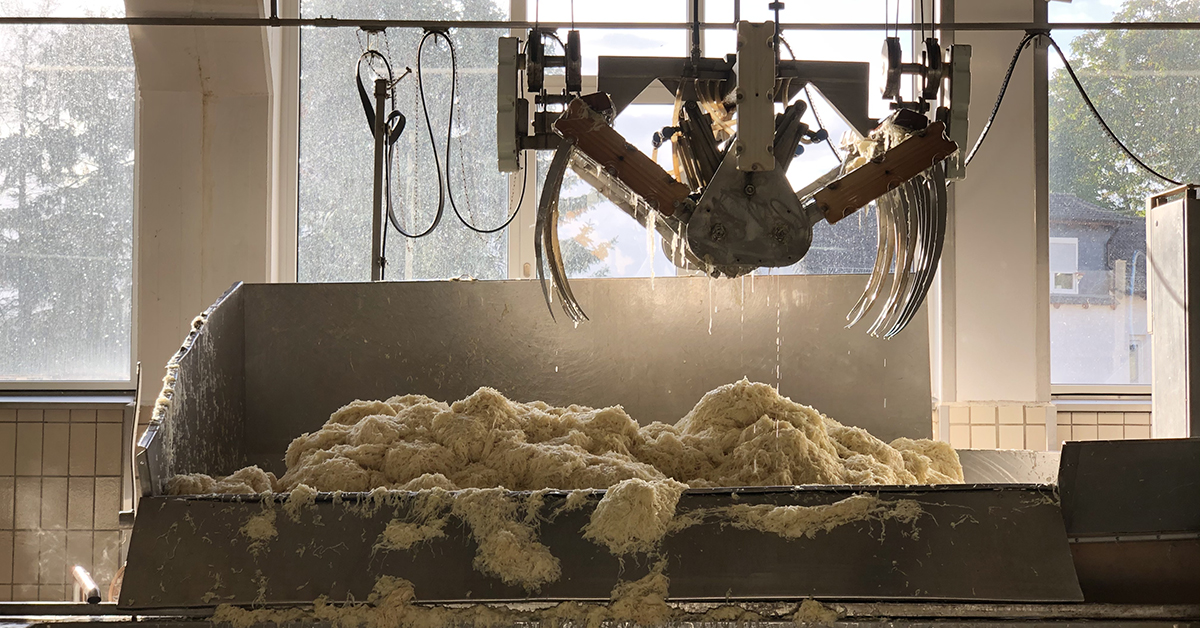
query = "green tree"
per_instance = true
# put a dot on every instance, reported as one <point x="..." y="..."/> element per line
<point x="1146" y="84"/>
<point x="66" y="199"/>
<point x="583" y="254"/>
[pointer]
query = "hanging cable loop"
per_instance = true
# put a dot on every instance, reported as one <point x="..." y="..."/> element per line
<point x="441" y="206"/>
<point x="1099" y="120"/>
<point x="448" y="190"/>
<point x="395" y="119"/>
<point x="1030" y="36"/>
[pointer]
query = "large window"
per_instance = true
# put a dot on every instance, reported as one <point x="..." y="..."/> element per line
<point x="1146" y="84"/>
<point x="336" y="164"/>
<point x="66" y="195"/>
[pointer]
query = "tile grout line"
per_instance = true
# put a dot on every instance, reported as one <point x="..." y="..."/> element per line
<point x="41" y="504"/>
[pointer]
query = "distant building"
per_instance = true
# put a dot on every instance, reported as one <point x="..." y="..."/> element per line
<point x="1097" y="294"/>
<point x="1097" y="286"/>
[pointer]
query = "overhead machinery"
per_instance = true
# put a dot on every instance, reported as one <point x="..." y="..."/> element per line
<point x="727" y="208"/>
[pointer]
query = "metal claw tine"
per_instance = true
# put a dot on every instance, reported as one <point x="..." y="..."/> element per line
<point x="924" y="269"/>
<point x="937" y="189"/>
<point x="861" y="305"/>
<point x="903" y="275"/>
<point x="576" y="311"/>
<point x="890" y="229"/>
<point x="927" y="218"/>
<point x="898" y="226"/>
<point x="900" y="220"/>
<point x="919" y="218"/>
<point x="558" y="270"/>
<point x="548" y="204"/>
<point x="902" y="227"/>
<point x="917" y="227"/>
<point x="921" y="214"/>
<point x="883" y="261"/>
<point x="933" y="250"/>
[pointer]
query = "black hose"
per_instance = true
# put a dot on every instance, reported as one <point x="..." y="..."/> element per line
<point x="441" y="206"/>
<point x="449" y="191"/>
<point x="1012" y="65"/>
<point x="1082" y="92"/>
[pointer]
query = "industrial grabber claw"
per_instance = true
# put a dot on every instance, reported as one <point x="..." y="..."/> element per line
<point x="727" y="207"/>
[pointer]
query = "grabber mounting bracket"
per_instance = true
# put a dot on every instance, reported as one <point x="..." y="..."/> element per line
<point x="512" y="108"/>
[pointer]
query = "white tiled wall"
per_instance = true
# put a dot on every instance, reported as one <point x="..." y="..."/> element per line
<point x="1039" y="427"/>
<point x="60" y="495"/>
<point x="998" y="425"/>
<point x="1102" y="426"/>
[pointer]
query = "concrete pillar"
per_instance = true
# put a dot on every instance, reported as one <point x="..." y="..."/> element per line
<point x="994" y="337"/>
<point x="203" y="166"/>
<point x="1001" y="294"/>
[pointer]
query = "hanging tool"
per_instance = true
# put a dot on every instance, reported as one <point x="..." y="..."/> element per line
<point x="385" y="129"/>
<point x="912" y="212"/>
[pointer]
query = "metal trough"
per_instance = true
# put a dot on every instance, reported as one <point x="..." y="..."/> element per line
<point x="269" y="362"/>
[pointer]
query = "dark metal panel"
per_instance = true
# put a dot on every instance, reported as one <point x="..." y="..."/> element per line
<point x="201" y="428"/>
<point x="1132" y="513"/>
<point x="188" y="552"/>
<point x="1016" y="527"/>
<point x="1130" y="487"/>
<point x="654" y="346"/>
<point x="891" y="614"/>
<point x="1143" y="572"/>
<point x="1113" y="619"/>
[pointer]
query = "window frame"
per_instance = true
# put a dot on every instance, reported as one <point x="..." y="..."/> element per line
<point x="285" y="217"/>
<point x="520" y="241"/>
<point x="1074" y="243"/>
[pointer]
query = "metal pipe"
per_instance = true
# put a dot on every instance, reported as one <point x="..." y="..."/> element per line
<point x="381" y="92"/>
<point x="329" y="22"/>
<point x="83" y="581"/>
<point x="695" y="28"/>
<point x="776" y="43"/>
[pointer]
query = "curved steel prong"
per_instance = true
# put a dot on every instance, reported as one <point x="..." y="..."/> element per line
<point x="937" y="188"/>
<point x="905" y="242"/>
<point x="883" y="260"/>
<point x="547" y="212"/>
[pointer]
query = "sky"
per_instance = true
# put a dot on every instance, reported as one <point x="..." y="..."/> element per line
<point x="1077" y="11"/>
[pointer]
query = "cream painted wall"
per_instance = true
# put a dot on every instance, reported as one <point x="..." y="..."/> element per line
<point x="204" y="166"/>
<point x="1001" y="320"/>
